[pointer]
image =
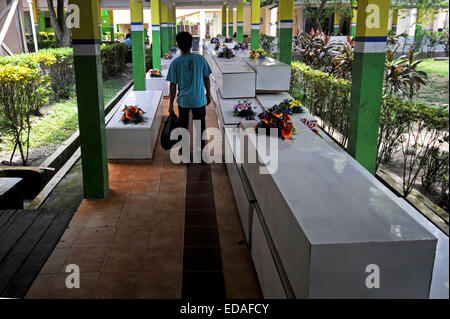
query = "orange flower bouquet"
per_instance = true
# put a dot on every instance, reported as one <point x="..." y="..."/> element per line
<point x="132" y="114"/>
<point x="274" y="118"/>
<point x="155" y="73"/>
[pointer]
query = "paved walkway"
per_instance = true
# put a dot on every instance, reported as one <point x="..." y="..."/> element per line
<point x="164" y="231"/>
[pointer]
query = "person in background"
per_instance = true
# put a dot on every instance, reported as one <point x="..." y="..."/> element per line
<point x="127" y="40"/>
<point x="190" y="72"/>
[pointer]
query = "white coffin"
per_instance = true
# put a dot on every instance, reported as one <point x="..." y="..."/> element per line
<point x="225" y="110"/>
<point x="271" y="75"/>
<point x="330" y="220"/>
<point x="245" y="199"/>
<point x="158" y="84"/>
<point x="136" y="141"/>
<point x="234" y="78"/>
<point x="266" y="269"/>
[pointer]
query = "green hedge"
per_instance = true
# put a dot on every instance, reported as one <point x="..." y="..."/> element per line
<point x="416" y="130"/>
<point x="57" y="64"/>
<point x="113" y="58"/>
<point x="325" y="96"/>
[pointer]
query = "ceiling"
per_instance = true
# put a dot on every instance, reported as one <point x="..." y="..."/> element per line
<point x="122" y="4"/>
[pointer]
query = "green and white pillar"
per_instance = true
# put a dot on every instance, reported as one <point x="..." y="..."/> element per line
<point x="156" y="44"/>
<point x="256" y="11"/>
<point x="336" y="23"/>
<point x="224" y="20"/>
<point x="417" y="31"/>
<point x="89" y="90"/>
<point x="164" y="28"/>
<point x="174" y="25"/>
<point x="230" y="21"/>
<point x="286" y="8"/>
<point x="394" y="21"/>
<point x="137" y="44"/>
<point x="111" y="25"/>
<point x="354" y="18"/>
<point x="367" y="81"/>
<point x="240" y="22"/>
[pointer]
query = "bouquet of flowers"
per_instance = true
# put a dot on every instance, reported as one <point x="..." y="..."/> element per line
<point x="257" y="54"/>
<point x="167" y="56"/>
<point x="244" y="108"/>
<point x="155" y="73"/>
<point x="226" y="53"/>
<point x="240" y="46"/>
<point x="132" y="114"/>
<point x="217" y="46"/>
<point x="274" y="118"/>
<point x="215" y="40"/>
<point x="228" y="40"/>
<point x="173" y="49"/>
<point x="291" y="106"/>
<point x="312" y="124"/>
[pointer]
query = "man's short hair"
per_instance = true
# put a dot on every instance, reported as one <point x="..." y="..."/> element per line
<point x="184" y="41"/>
<point x="128" y="35"/>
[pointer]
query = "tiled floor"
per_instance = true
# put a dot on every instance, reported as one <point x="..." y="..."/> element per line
<point x="163" y="226"/>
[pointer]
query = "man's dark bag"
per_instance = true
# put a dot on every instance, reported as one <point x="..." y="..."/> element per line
<point x="170" y="124"/>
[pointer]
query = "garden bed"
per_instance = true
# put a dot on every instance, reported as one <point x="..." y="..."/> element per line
<point x="59" y="120"/>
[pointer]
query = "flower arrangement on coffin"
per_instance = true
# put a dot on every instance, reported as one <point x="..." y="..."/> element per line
<point x="173" y="49"/>
<point x="257" y="54"/>
<point x="167" y="56"/>
<point x="241" y="46"/>
<point x="226" y="53"/>
<point x="228" y="40"/>
<point x="274" y="118"/>
<point x="291" y="106"/>
<point x="155" y="73"/>
<point x="244" y="108"/>
<point x="132" y="114"/>
<point x="215" y="40"/>
<point x="311" y="124"/>
<point x="217" y="46"/>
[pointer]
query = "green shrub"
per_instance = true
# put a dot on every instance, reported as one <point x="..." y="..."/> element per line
<point x="61" y="72"/>
<point x="56" y="63"/>
<point x="22" y="90"/>
<point x="324" y="95"/>
<point x="113" y="58"/>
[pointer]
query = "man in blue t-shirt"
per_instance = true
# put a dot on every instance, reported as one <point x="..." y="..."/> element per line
<point x="191" y="73"/>
<point x="128" y="40"/>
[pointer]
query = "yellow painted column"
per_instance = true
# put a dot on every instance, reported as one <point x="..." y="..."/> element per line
<point x="89" y="90"/>
<point x="354" y="17"/>
<point x="156" y="44"/>
<point x="224" y="20"/>
<point x="240" y="22"/>
<point x="256" y="12"/>
<point x="137" y="40"/>
<point x="164" y="28"/>
<point x="286" y="9"/>
<point x="367" y="81"/>
<point x="230" y="21"/>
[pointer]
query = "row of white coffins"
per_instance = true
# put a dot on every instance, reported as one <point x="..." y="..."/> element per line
<point x="319" y="225"/>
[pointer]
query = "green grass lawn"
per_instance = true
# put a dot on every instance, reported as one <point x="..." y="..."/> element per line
<point x="60" y="120"/>
<point x="431" y="66"/>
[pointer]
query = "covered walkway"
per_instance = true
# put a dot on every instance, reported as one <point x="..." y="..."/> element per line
<point x="163" y="231"/>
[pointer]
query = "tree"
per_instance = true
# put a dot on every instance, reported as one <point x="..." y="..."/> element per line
<point x="62" y="32"/>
